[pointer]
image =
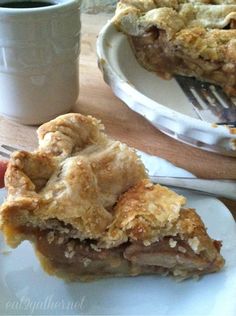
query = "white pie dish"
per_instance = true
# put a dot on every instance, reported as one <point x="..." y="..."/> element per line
<point x="161" y="102"/>
<point x="26" y="289"/>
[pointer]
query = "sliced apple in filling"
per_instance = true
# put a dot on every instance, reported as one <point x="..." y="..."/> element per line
<point x="86" y="204"/>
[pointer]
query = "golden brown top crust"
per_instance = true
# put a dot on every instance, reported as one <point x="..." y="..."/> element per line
<point x="75" y="176"/>
<point x="209" y="25"/>
<point x="149" y="212"/>
<point x="68" y="134"/>
<point x="81" y="183"/>
<point x="146" y="212"/>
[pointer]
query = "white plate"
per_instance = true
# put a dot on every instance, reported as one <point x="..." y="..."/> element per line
<point x="161" y="102"/>
<point x="26" y="289"/>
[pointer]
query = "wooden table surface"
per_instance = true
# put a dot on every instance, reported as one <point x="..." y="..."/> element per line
<point x="97" y="99"/>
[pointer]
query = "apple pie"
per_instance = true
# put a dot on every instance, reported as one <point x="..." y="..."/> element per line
<point x="195" y="38"/>
<point x="87" y="205"/>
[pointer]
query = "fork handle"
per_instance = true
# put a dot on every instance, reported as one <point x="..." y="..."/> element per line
<point x="222" y="188"/>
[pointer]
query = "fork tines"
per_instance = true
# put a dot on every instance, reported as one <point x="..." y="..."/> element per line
<point x="209" y="101"/>
<point x="6" y="150"/>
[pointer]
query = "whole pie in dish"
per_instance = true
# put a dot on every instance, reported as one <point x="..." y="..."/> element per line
<point x="85" y="202"/>
<point x="195" y="38"/>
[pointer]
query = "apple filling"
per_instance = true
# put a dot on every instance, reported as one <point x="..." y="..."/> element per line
<point x="73" y="259"/>
<point x="157" y="53"/>
<point x="94" y="213"/>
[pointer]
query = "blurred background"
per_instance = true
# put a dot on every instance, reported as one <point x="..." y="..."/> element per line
<point x="96" y="6"/>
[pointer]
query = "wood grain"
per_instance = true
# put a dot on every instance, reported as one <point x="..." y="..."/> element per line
<point x="97" y="99"/>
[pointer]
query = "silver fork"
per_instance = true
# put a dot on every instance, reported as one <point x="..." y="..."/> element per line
<point x="6" y="150"/>
<point x="216" y="187"/>
<point x="209" y="101"/>
<point x="223" y="188"/>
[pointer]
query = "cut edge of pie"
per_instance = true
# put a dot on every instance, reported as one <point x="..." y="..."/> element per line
<point x="191" y="38"/>
<point x="86" y="204"/>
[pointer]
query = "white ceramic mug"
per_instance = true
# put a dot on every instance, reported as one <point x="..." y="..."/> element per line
<point x="39" y="55"/>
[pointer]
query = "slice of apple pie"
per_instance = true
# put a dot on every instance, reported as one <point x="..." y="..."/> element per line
<point x="87" y="205"/>
<point x="194" y="38"/>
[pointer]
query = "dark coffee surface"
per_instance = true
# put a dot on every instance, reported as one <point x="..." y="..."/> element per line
<point x="26" y="4"/>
